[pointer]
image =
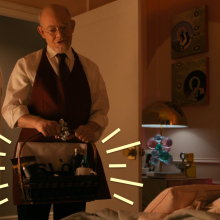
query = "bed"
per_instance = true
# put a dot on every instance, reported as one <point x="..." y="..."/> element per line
<point x="189" y="202"/>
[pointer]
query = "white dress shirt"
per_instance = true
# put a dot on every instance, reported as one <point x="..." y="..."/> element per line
<point x="22" y="78"/>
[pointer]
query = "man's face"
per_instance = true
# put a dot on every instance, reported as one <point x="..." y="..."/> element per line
<point x="57" y="28"/>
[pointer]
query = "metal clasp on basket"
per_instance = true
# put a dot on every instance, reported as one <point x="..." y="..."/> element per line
<point x="64" y="130"/>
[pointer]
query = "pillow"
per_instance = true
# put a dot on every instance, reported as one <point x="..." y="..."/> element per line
<point x="179" y="197"/>
<point x="204" y="198"/>
<point x="213" y="207"/>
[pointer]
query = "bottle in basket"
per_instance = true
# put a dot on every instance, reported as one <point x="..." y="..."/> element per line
<point x="85" y="162"/>
<point x="32" y="169"/>
<point x="76" y="159"/>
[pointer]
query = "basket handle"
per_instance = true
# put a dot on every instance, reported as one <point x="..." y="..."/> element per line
<point x="95" y="155"/>
<point x="19" y="164"/>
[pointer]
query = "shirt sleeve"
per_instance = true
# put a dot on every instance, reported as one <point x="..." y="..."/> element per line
<point x="100" y="106"/>
<point x="99" y="96"/>
<point x="17" y="95"/>
<point x="19" y="89"/>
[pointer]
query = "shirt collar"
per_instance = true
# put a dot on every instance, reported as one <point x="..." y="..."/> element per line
<point x="52" y="53"/>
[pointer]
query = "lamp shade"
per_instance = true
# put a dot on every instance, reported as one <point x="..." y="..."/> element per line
<point x="163" y="114"/>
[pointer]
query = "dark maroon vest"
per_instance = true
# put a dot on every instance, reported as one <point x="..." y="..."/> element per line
<point x="53" y="100"/>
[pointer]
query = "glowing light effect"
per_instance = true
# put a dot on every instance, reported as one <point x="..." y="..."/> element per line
<point x="111" y="135"/>
<point x="5" y="139"/>
<point x="3" y="201"/>
<point x="123" y="147"/>
<point x="117" y="165"/>
<point x="126" y="182"/>
<point x="3" y="185"/>
<point x="123" y="199"/>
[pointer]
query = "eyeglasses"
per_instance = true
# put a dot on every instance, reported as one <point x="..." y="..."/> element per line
<point x="53" y="31"/>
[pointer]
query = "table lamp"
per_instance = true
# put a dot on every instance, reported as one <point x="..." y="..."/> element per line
<point x="161" y="115"/>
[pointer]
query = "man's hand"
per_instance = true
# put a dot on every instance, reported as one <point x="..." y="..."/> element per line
<point x="46" y="127"/>
<point x="86" y="132"/>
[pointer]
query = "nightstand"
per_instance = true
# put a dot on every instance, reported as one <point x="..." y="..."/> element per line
<point x="152" y="186"/>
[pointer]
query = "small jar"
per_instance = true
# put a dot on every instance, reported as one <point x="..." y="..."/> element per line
<point x="32" y="169"/>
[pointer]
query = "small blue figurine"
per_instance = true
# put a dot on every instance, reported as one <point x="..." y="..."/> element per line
<point x="161" y="151"/>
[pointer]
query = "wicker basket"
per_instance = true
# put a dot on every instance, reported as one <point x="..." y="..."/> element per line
<point x="57" y="189"/>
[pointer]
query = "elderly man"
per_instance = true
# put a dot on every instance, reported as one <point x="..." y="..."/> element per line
<point x="51" y="84"/>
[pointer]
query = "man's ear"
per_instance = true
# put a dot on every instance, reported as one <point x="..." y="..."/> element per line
<point x="40" y="30"/>
<point x="73" y="23"/>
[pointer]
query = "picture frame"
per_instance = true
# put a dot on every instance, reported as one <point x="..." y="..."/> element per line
<point x="189" y="32"/>
<point x="146" y="162"/>
<point x="190" y="82"/>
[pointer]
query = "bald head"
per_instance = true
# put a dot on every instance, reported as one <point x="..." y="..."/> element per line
<point x="56" y="27"/>
<point x="53" y="9"/>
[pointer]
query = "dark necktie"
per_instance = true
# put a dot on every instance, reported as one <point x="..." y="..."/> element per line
<point x="64" y="71"/>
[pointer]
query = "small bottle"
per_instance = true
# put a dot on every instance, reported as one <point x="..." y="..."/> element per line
<point x="31" y="169"/>
<point x="85" y="162"/>
<point x="76" y="159"/>
<point x="190" y="167"/>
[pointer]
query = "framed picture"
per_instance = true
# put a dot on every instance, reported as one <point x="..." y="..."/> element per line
<point x="189" y="32"/>
<point x="190" y="82"/>
<point x="146" y="162"/>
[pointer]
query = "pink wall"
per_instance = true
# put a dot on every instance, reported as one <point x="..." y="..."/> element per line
<point x="159" y="13"/>
<point x="202" y="135"/>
